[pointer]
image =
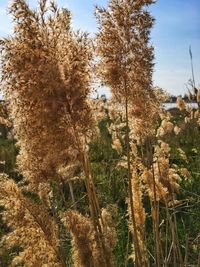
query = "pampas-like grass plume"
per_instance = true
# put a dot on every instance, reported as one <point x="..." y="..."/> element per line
<point x="125" y="56"/>
<point x="140" y="216"/>
<point x="32" y="228"/>
<point x="45" y="80"/>
<point x="86" y="250"/>
<point x="125" y="65"/>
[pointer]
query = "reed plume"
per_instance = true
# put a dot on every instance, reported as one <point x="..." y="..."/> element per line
<point x="45" y="80"/>
<point x="125" y="65"/>
<point x="126" y="57"/>
<point x="86" y="250"/>
<point x="140" y="216"/>
<point x="25" y="218"/>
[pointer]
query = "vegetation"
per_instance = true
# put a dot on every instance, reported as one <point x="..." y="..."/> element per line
<point x="93" y="182"/>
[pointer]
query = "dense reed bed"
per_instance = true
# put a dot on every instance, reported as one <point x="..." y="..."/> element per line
<point x="93" y="182"/>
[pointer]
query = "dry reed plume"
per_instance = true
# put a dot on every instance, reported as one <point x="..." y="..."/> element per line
<point x="47" y="71"/>
<point x="39" y="240"/>
<point x="45" y="80"/>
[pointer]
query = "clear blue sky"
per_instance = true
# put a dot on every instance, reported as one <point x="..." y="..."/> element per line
<point x="177" y="26"/>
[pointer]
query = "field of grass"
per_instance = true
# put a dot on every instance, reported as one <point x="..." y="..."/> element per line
<point x="94" y="182"/>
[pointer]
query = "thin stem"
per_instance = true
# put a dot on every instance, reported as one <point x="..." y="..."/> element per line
<point x="95" y="209"/>
<point x="192" y="68"/>
<point x="72" y="194"/>
<point x="186" y="250"/>
<point x="176" y="233"/>
<point x="166" y="237"/>
<point x="156" y="222"/>
<point x="198" y="264"/>
<point x="127" y="248"/>
<point x="92" y="198"/>
<point x="136" y="242"/>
